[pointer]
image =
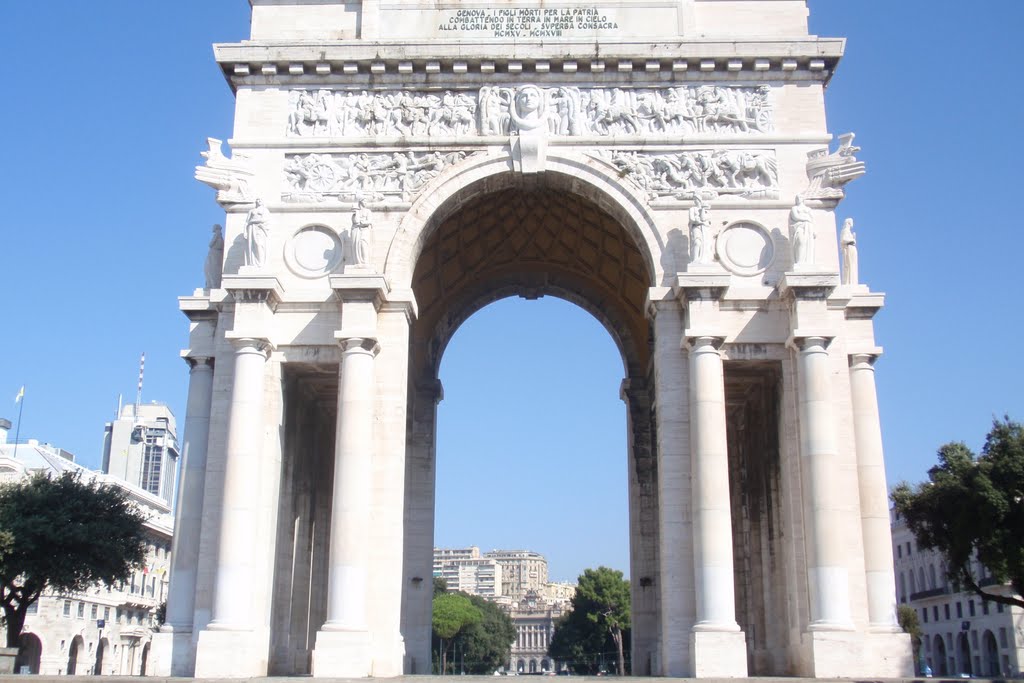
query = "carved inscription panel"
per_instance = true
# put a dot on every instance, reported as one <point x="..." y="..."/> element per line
<point x="567" y="20"/>
<point x="562" y="111"/>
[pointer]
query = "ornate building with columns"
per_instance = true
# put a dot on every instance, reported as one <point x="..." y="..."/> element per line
<point x="666" y="166"/>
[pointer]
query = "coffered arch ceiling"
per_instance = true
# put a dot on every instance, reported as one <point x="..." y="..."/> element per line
<point x="531" y="240"/>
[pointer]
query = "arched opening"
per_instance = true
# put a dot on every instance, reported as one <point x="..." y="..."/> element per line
<point x="74" y="651"/>
<point x="30" y="652"/>
<point x="101" y="650"/>
<point x="939" y="656"/>
<point x="991" y="651"/>
<point x="963" y="649"/>
<point x="530" y="239"/>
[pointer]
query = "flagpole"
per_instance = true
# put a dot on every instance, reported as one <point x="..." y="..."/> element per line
<point x="17" y="430"/>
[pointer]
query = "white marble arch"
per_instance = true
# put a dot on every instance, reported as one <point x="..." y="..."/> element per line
<point x="584" y="175"/>
<point x="594" y="181"/>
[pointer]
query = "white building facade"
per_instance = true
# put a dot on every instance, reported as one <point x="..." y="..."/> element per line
<point x="104" y="630"/>
<point x="961" y="633"/>
<point x="665" y="166"/>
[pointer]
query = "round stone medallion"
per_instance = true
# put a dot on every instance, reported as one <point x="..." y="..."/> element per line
<point x="745" y="249"/>
<point x="313" y="252"/>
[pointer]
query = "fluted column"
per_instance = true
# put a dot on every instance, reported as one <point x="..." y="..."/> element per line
<point x="185" y="550"/>
<point x="874" y="500"/>
<point x="236" y="559"/>
<point x="353" y="460"/>
<point x="712" y="516"/>
<point x="827" y="575"/>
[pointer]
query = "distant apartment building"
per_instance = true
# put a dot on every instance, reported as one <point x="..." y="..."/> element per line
<point x="141" y="447"/>
<point x="464" y="569"/>
<point x="522" y="571"/>
<point x="961" y="633"/>
<point x="104" y="630"/>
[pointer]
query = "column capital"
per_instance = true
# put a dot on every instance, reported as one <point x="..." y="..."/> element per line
<point x="808" y="285"/>
<point x="702" y="286"/>
<point x="703" y="343"/>
<point x="197" y="362"/>
<point x="864" y="361"/>
<point x="367" y="344"/>
<point x="258" y="345"/>
<point x="807" y="343"/>
<point x="253" y="289"/>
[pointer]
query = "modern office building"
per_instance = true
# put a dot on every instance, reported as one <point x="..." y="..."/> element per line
<point x="141" y="447"/>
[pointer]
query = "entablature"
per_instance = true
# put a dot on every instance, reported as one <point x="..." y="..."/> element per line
<point x="438" y="63"/>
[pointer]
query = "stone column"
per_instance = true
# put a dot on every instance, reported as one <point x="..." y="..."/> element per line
<point x="228" y="645"/>
<point x="343" y="643"/>
<point x="826" y="573"/>
<point x="189" y="512"/>
<point x="712" y="517"/>
<point x="236" y="557"/>
<point x="874" y="500"/>
<point x="717" y="644"/>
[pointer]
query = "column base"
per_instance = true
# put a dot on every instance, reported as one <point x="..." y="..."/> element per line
<point x="171" y="653"/>
<point x="342" y="654"/>
<point x="718" y="654"/>
<point x="231" y="654"/>
<point x="389" y="660"/>
<point x="888" y="655"/>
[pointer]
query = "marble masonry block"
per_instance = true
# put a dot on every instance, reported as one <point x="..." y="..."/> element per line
<point x="718" y="654"/>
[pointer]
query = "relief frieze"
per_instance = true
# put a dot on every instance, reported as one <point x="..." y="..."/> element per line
<point x="393" y="176"/>
<point x="564" y="111"/>
<point x="710" y="173"/>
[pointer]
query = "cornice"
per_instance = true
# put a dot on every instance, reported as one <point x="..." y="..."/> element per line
<point x="364" y="62"/>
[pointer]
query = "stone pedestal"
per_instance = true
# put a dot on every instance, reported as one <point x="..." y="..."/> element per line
<point x="718" y="654"/>
<point x="171" y="652"/>
<point x="231" y="654"/>
<point x="342" y="654"/>
<point x="7" y="656"/>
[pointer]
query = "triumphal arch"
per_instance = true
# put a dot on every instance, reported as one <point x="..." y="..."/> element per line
<point x="664" y="164"/>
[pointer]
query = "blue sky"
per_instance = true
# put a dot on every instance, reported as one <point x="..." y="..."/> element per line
<point x="107" y="105"/>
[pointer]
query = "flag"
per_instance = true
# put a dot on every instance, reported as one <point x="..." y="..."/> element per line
<point x="21" y="394"/>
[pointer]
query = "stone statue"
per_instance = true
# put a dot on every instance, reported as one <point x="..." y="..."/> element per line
<point x="801" y="233"/>
<point x="256" y="235"/>
<point x="848" y="245"/>
<point x="214" y="264"/>
<point x="700" y="232"/>
<point x="360" y="233"/>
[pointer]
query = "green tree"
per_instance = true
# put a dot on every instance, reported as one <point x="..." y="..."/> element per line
<point x="973" y="506"/>
<point x="64" y="535"/>
<point x="452" y="612"/>
<point x="440" y="586"/>
<point x="598" y="623"/>
<point x="486" y="645"/>
<point x="907" y="617"/>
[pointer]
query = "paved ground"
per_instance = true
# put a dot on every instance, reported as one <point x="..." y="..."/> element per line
<point x="488" y="679"/>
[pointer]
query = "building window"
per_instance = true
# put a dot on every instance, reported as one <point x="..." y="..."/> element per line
<point x="899" y="551"/>
<point x="924" y="614"/>
<point x="970" y="607"/>
<point x="1002" y="637"/>
<point x="67" y="608"/>
<point x="81" y="610"/>
<point x="935" y="612"/>
<point x="908" y="548"/>
<point x="959" y="611"/>
<point x="999" y="607"/>
<point x="106" y="613"/>
<point x="945" y="610"/>
<point x="94" y="612"/>
<point x="152" y="462"/>
<point x="984" y="607"/>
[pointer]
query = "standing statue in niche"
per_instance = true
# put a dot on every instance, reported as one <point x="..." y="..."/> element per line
<point x="848" y="244"/>
<point x="360" y="233"/>
<point x="256" y="235"/>
<point x="213" y="267"/>
<point x="700" y="232"/>
<point x="801" y="233"/>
